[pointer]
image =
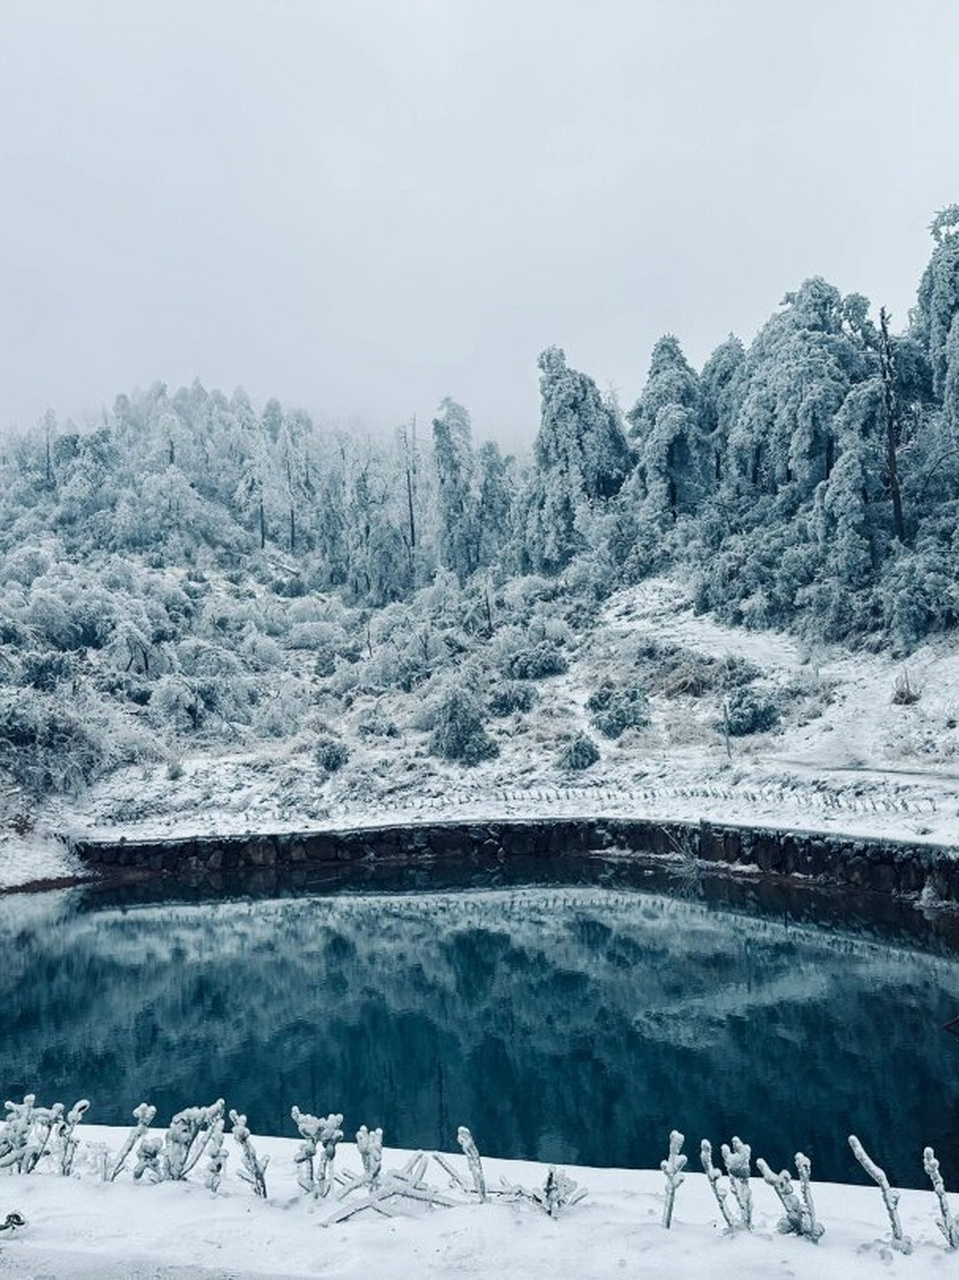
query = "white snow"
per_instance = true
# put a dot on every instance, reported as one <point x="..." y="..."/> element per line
<point x="83" y="1227"/>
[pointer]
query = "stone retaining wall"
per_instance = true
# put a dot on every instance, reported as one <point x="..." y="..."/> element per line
<point x="885" y="867"/>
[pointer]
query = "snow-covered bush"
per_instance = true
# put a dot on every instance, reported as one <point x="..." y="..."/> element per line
<point x="458" y="730"/>
<point x="514" y="695"/>
<point x="375" y="723"/>
<point x="320" y="1135"/>
<point x="579" y="753"/>
<point x="536" y="662"/>
<point x="799" y="1215"/>
<point x="617" y="709"/>
<point x="330" y="753"/>
<point x="45" y="746"/>
<point x="745" y="711"/>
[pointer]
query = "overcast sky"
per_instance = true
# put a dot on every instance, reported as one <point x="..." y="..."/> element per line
<point x="362" y="206"/>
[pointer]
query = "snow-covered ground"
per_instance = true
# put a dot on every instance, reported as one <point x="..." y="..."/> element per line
<point x="82" y="1227"/>
<point x="845" y="759"/>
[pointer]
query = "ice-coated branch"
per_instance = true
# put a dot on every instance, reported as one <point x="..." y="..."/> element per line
<point x="255" y="1168"/>
<point x="12" y="1221"/>
<point x="68" y="1143"/>
<point x="475" y="1165"/>
<point x="673" y="1167"/>
<point x="15" y="1132"/>
<point x="320" y="1136"/>
<point x="798" y="1216"/>
<point x="890" y="1197"/>
<point x="45" y="1119"/>
<point x="558" y="1192"/>
<point x="216" y="1158"/>
<point x="804" y="1169"/>
<point x="946" y="1223"/>
<point x="143" y="1115"/>
<point x="370" y="1146"/>
<point x="186" y="1139"/>
<point x="736" y="1157"/>
<point x="714" y="1176"/>
<point x="148" y="1161"/>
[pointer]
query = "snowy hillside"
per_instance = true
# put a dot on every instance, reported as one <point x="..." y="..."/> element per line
<point x="845" y="756"/>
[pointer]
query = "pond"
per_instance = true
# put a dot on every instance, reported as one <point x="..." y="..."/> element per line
<point x="565" y="1022"/>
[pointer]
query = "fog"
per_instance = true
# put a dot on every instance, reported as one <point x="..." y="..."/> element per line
<point x="361" y="208"/>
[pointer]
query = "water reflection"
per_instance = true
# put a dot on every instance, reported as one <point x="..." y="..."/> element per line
<point x="563" y="1023"/>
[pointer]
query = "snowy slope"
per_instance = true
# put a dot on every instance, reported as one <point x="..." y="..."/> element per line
<point x="845" y="757"/>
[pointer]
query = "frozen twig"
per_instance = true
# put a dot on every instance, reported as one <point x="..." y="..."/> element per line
<point x="890" y="1197"/>
<point x="946" y="1223"/>
<point x="320" y="1137"/>
<point x="65" y="1135"/>
<point x="465" y="1139"/>
<point x="143" y="1115"/>
<point x="255" y="1167"/>
<point x="798" y="1215"/>
<point x="715" y="1177"/>
<point x="736" y="1157"/>
<point x="216" y="1159"/>
<point x="558" y="1192"/>
<point x="673" y="1167"/>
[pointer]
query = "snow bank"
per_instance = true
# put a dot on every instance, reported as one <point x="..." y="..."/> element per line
<point x="83" y="1227"/>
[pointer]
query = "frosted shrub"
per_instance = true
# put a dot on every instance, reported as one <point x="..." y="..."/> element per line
<point x="946" y="1223"/>
<point x="330" y="754"/>
<point x="615" y="710"/>
<point x="736" y="1157"/>
<point x="375" y="723"/>
<point x="536" y="662"/>
<point x="254" y="1166"/>
<point x="515" y="695"/>
<point x="558" y="1192"/>
<point x="458" y="732"/>
<point x="799" y="1215"/>
<point x="143" y="1115"/>
<point x="44" y="745"/>
<point x="578" y="754"/>
<point x="187" y="1138"/>
<point x="746" y="711"/>
<point x="320" y="1137"/>
<point x="27" y="1133"/>
<point x="673" y="1167"/>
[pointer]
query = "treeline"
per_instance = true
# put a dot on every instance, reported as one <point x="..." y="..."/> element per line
<point x="188" y="566"/>
<point x="810" y="476"/>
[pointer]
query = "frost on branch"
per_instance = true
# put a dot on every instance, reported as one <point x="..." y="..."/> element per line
<point x="715" y="1182"/>
<point x="66" y="1141"/>
<point x="143" y="1115"/>
<point x="890" y="1197"/>
<point x="558" y="1192"/>
<point x="673" y="1167"/>
<point x="320" y="1136"/>
<point x="946" y="1223"/>
<point x="376" y="1190"/>
<point x="216" y="1159"/>
<point x="254" y="1170"/>
<point x="465" y="1139"/>
<point x="26" y="1133"/>
<point x="736" y="1158"/>
<point x="799" y="1215"/>
<point x="187" y="1137"/>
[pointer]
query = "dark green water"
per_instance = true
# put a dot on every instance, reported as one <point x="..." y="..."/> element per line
<point x="561" y="1023"/>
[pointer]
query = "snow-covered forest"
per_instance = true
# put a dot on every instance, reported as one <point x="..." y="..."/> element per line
<point x="187" y="572"/>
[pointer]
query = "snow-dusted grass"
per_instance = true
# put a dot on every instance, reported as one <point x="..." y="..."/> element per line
<point x="83" y="1227"/>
